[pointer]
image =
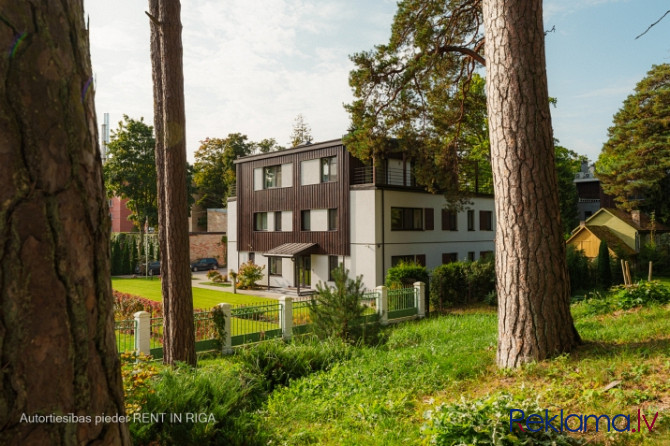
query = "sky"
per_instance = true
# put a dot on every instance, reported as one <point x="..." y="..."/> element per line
<point x="251" y="66"/>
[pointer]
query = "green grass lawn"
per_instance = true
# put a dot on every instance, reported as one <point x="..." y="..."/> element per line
<point x="202" y="298"/>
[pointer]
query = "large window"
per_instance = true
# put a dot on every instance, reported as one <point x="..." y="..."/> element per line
<point x="261" y="221"/>
<point x="329" y="169"/>
<point x="332" y="219"/>
<point x="278" y="221"/>
<point x="449" y="220"/>
<point x="471" y="220"/>
<point x="305" y="220"/>
<point x="271" y="177"/>
<point x="485" y="221"/>
<point x="275" y="266"/>
<point x="449" y="257"/>
<point x="406" y="219"/>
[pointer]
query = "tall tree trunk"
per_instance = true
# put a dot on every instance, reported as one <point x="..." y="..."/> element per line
<point x="179" y="324"/>
<point x="57" y="345"/>
<point x="157" y="75"/>
<point x="534" y="320"/>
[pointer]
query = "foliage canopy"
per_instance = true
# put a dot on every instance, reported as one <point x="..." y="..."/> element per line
<point x="634" y="165"/>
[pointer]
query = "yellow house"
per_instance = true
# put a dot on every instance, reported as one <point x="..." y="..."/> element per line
<point x="624" y="233"/>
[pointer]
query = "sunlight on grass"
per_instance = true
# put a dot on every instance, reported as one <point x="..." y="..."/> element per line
<point x="202" y="298"/>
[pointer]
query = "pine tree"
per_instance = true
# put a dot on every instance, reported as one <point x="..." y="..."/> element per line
<point x="604" y="269"/>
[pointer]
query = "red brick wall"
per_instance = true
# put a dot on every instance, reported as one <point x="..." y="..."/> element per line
<point x="119" y="214"/>
<point x="208" y="244"/>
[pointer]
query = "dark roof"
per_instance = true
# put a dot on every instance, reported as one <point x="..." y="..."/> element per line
<point x="300" y="148"/>
<point x="645" y="220"/>
<point x="613" y="241"/>
<point x="291" y="249"/>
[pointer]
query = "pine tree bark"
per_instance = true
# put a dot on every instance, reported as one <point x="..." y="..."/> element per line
<point x="57" y="346"/>
<point x="533" y="287"/>
<point x="178" y="326"/>
<point x="157" y="75"/>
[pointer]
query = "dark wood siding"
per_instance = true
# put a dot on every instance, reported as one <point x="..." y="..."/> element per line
<point x="332" y="195"/>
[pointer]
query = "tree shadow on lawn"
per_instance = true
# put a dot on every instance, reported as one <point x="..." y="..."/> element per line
<point x="608" y="349"/>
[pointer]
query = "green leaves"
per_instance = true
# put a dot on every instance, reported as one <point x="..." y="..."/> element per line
<point x="419" y="93"/>
<point x="635" y="162"/>
<point x="130" y="171"/>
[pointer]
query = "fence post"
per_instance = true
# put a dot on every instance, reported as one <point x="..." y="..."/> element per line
<point x="286" y="322"/>
<point x="142" y="332"/>
<point x="420" y="298"/>
<point x="382" y="304"/>
<point x="227" y="344"/>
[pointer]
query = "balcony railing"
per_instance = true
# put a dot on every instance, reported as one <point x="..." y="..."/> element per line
<point x="380" y="176"/>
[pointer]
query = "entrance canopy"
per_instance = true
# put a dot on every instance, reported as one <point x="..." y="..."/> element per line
<point x="291" y="250"/>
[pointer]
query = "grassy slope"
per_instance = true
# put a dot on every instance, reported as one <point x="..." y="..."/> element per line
<point x="379" y="396"/>
<point x="202" y="298"/>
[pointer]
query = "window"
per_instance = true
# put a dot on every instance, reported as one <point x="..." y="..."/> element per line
<point x="485" y="221"/>
<point x="252" y="257"/>
<point x="419" y="259"/>
<point x="332" y="219"/>
<point x="332" y="264"/>
<point x="406" y="219"/>
<point x="305" y="220"/>
<point x="260" y="221"/>
<point x="485" y="255"/>
<point x="471" y="256"/>
<point x="429" y="219"/>
<point x="328" y="169"/>
<point x="275" y="266"/>
<point x="271" y="177"/>
<point x="278" y="221"/>
<point x="449" y="220"/>
<point x="471" y="220"/>
<point x="449" y="257"/>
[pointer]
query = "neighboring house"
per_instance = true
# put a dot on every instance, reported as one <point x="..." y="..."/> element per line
<point x="119" y="213"/>
<point x="625" y="233"/>
<point x="301" y="212"/>
<point x="589" y="192"/>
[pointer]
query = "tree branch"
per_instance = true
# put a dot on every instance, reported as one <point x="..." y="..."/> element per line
<point x="653" y="24"/>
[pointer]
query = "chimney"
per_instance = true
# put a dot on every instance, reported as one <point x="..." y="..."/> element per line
<point x="635" y="216"/>
<point x="582" y="223"/>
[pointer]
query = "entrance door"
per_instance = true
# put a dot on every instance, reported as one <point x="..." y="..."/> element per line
<point x="305" y="271"/>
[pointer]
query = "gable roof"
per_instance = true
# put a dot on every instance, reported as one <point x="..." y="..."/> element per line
<point x="645" y="220"/>
<point x="603" y="233"/>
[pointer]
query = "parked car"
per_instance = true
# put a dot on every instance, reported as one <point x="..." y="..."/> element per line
<point x="204" y="264"/>
<point x="154" y="268"/>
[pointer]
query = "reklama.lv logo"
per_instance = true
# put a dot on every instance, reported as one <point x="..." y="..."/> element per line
<point x="537" y="423"/>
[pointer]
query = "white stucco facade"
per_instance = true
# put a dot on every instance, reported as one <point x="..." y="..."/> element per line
<point x="375" y="244"/>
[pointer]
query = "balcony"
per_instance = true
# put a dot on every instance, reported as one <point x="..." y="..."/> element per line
<point x="381" y="176"/>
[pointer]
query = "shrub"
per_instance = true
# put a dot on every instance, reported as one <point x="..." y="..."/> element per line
<point x="658" y="255"/>
<point x="137" y="373"/>
<point x="215" y="276"/>
<point x="458" y="283"/>
<point x="229" y="395"/>
<point x="604" y="266"/>
<point x="623" y="297"/>
<point x="337" y="312"/>
<point x="125" y="305"/>
<point x="579" y="270"/>
<point x="486" y="421"/>
<point x="404" y="275"/>
<point x="248" y="274"/>
<point x="278" y="362"/>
